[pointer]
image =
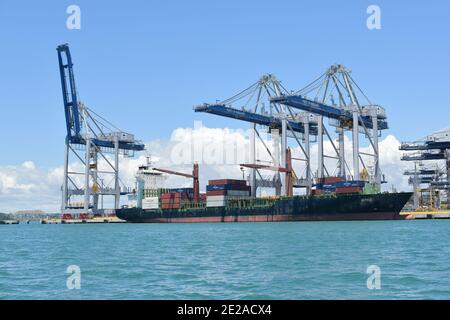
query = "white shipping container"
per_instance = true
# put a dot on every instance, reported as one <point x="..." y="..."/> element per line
<point x="150" y="203"/>
<point x="216" y="198"/>
<point x="211" y="204"/>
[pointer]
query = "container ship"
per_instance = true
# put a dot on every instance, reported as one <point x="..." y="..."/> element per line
<point x="230" y="200"/>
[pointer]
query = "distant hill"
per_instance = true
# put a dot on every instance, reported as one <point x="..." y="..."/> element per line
<point x="5" y="216"/>
<point x="29" y="212"/>
<point x="31" y="215"/>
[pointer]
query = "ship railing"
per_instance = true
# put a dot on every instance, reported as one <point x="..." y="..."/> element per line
<point x="193" y="205"/>
<point x="248" y="203"/>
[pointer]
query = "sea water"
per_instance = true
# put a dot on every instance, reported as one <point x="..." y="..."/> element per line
<point x="287" y="260"/>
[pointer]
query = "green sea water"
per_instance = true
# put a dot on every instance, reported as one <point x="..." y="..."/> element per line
<point x="301" y="260"/>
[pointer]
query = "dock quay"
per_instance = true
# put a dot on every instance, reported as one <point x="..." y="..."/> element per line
<point x="436" y="214"/>
<point x="83" y="221"/>
<point x="9" y="222"/>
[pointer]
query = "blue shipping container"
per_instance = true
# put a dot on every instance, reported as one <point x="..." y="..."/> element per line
<point x="356" y="183"/>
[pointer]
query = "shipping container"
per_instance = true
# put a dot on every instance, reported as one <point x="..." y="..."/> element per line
<point x="216" y="202"/>
<point x="170" y="201"/>
<point x="181" y="190"/>
<point x="227" y="181"/>
<point x="348" y="190"/>
<point x="330" y="180"/>
<point x="230" y="193"/>
<point x="216" y="198"/>
<point x="170" y="206"/>
<point x="215" y="187"/>
<point x="150" y="203"/>
<point x="355" y="183"/>
<point x="175" y="195"/>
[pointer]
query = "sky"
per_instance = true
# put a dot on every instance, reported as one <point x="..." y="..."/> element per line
<point x="144" y="64"/>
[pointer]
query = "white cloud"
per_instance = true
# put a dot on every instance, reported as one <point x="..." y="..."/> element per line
<point x="29" y="165"/>
<point x="27" y="186"/>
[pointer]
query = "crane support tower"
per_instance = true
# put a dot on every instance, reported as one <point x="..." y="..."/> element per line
<point x="253" y="105"/>
<point x="287" y="114"/>
<point x="89" y="138"/>
<point x="347" y="114"/>
<point x="433" y="147"/>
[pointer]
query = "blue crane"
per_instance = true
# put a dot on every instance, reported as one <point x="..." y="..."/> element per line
<point x="337" y="98"/>
<point x="252" y="117"/>
<point x="424" y="156"/>
<point x="433" y="147"/>
<point x="250" y="105"/>
<point x="74" y="116"/>
<point x="89" y="132"/>
<point x="332" y="112"/>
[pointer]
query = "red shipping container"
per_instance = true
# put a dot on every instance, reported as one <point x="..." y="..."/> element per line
<point x="348" y="190"/>
<point x="170" y="206"/>
<point x="330" y="180"/>
<point x="217" y="193"/>
<point x="173" y="200"/>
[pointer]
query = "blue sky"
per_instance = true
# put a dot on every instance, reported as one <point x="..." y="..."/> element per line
<point x="144" y="64"/>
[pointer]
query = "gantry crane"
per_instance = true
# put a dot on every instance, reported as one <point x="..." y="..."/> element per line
<point x="253" y="105"/>
<point x="347" y="114"/>
<point x="433" y="147"/>
<point x="194" y="176"/>
<point x="90" y="133"/>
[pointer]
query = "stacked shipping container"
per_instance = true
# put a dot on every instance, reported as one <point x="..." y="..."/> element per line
<point x="218" y="192"/>
<point x="174" y="200"/>
<point x="337" y="185"/>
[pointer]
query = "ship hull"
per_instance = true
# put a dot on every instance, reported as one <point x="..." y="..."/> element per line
<point x="332" y="208"/>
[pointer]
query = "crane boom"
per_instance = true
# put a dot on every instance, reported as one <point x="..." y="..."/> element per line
<point x="264" y="167"/>
<point x="194" y="176"/>
<point x="186" y="175"/>
<point x="93" y="135"/>
<point x="70" y="97"/>
<point x="302" y="103"/>
<point x="288" y="170"/>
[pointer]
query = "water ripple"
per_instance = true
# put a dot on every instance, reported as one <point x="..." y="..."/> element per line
<point x="324" y="260"/>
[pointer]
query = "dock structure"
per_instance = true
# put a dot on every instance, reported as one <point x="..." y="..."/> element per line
<point x="90" y="138"/>
<point x="9" y="222"/>
<point x="431" y="214"/>
<point x="293" y="118"/>
<point x="430" y="176"/>
<point x="94" y="220"/>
